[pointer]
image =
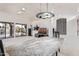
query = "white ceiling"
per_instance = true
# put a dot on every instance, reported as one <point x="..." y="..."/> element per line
<point x="33" y="8"/>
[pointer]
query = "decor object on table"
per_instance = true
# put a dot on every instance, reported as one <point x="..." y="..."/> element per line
<point x="36" y="27"/>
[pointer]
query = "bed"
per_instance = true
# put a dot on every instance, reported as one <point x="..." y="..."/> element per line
<point x="31" y="46"/>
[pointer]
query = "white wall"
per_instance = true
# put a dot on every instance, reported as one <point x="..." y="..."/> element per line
<point x="72" y="27"/>
<point x="71" y="40"/>
<point x="71" y="32"/>
<point x="12" y="18"/>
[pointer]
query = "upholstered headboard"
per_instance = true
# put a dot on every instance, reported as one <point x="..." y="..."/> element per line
<point x="43" y="30"/>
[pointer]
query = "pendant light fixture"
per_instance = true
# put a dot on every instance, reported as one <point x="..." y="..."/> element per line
<point x="45" y="15"/>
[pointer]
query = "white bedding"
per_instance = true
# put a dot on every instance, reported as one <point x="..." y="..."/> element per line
<point x="31" y="46"/>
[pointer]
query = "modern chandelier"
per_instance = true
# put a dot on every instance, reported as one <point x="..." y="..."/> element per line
<point x="45" y="15"/>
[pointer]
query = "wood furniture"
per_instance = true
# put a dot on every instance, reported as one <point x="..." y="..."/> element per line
<point x="42" y="32"/>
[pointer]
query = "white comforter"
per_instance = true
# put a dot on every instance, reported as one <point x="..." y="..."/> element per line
<point x="31" y="46"/>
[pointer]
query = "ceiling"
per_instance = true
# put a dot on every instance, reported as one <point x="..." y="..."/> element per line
<point x="31" y="9"/>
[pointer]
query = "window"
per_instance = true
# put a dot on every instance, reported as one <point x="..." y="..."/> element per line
<point x="20" y="30"/>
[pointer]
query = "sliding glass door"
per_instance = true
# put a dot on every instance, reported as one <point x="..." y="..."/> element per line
<point x="23" y="30"/>
<point x="18" y="30"/>
<point x="9" y="30"/>
<point x="2" y="30"/>
<point x="6" y="30"/>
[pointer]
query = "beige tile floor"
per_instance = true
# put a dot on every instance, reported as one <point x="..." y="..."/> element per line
<point x="69" y="52"/>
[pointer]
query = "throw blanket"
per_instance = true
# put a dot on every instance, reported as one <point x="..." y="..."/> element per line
<point x="33" y="47"/>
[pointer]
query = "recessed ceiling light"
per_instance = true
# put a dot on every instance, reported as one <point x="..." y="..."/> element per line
<point x="23" y="9"/>
<point x="19" y="12"/>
